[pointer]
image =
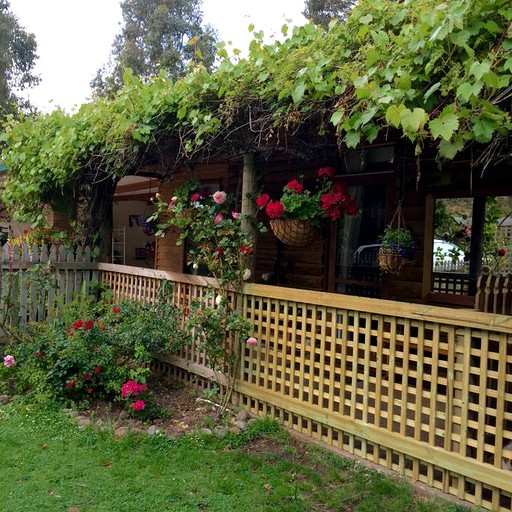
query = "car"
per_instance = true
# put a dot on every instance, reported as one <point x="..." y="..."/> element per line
<point x="444" y="252"/>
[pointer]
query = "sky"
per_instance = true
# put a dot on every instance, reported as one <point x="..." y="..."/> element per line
<point x="74" y="38"/>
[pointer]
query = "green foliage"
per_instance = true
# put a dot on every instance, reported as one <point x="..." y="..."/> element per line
<point x="398" y="240"/>
<point x="93" y="348"/>
<point x="214" y="228"/>
<point x="435" y="72"/>
<point x="17" y="59"/>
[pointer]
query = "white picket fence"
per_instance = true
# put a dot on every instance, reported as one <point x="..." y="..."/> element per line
<point x="35" y="280"/>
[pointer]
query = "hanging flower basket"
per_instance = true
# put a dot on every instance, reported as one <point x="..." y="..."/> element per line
<point x="294" y="232"/>
<point x="393" y="262"/>
<point x="397" y="245"/>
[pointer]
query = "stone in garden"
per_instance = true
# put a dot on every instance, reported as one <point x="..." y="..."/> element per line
<point x="242" y="425"/>
<point x="120" y="431"/>
<point x="221" y="431"/>
<point x="243" y="416"/>
<point x="152" y="430"/>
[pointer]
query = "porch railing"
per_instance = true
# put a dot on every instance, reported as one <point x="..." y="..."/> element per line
<point x="425" y="391"/>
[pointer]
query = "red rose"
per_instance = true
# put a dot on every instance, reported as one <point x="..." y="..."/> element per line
<point x="502" y="252"/>
<point x="295" y="186"/>
<point x="195" y="197"/>
<point x="261" y="201"/>
<point x="89" y="324"/>
<point x="78" y="324"/>
<point x="71" y="384"/>
<point x="97" y="370"/>
<point x="274" y="209"/>
<point x="116" y="310"/>
<point x="87" y="376"/>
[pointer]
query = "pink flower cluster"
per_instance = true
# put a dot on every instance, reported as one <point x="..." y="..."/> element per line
<point x="132" y="388"/>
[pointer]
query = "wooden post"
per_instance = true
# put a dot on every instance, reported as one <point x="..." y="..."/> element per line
<point x="477" y="231"/>
<point x="249" y="209"/>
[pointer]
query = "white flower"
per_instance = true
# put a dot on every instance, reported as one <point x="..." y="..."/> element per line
<point x="218" y="300"/>
<point x="247" y="274"/>
<point x="195" y="266"/>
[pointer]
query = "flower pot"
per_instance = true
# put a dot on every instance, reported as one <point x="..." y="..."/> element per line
<point x="294" y="232"/>
<point x="393" y="262"/>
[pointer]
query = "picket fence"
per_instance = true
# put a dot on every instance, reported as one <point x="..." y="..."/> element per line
<point x="36" y="280"/>
<point x="422" y="390"/>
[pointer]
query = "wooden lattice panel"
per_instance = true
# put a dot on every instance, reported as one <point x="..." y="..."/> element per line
<point x="431" y="400"/>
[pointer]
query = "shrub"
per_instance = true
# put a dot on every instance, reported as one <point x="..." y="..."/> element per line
<point x="95" y="347"/>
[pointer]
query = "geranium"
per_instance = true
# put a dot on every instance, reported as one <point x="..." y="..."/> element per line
<point x="329" y="200"/>
<point x="132" y="388"/>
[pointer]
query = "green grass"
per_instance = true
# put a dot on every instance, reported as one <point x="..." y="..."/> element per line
<point x="48" y="464"/>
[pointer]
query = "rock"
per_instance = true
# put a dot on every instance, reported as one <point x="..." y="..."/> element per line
<point x="243" y="416"/>
<point x="4" y="399"/>
<point x="120" y="431"/>
<point x="251" y="421"/>
<point x="152" y="430"/>
<point x="221" y="432"/>
<point x="83" y="421"/>
<point x="242" y="425"/>
<point x="172" y="432"/>
<point x="207" y="431"/>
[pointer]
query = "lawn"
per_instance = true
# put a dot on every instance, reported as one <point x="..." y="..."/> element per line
<point x="48" y="464"/>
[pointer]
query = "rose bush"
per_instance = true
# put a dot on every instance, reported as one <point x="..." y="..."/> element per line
<point x="93" y="348"/>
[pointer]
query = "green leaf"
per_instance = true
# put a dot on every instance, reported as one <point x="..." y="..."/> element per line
<point x="507" y="66"/>
<point x="352" y="139"/>
<point x="413" y="121"/>
<point x="372" y="57"/>
<point x="393" y="116"/>
<point x="444" y="126"/>
<point x="450" y="149"/>
<point x="337" y="117"/>
<point x="432" y="90"/>
<point x="298" y="92"/>
<point x="479" y="69"/>
<point x="468" y="90"/>
<point x="483" y="130"/>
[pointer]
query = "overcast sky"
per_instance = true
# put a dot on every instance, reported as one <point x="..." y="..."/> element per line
<point x="74" y="37"/>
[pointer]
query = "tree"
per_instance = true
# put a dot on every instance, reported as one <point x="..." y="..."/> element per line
<point x="17" y="59"/>
<point x="157" y="35"/>
<point x="321" y="12"/>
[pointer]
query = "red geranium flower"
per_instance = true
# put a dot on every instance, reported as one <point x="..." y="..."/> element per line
<point x="502" y="252"/>
<point x="87" y="376"/>
<point x="116" y="310"/>
<point x="246" y="249"/>
<point x="274" y="209"/>
<point x="295" y="186"/>
<point x="328" y="172"/>
<point x="262" y="200"/>
<point x="89" y="324"/>
<point x="97" y="370"/>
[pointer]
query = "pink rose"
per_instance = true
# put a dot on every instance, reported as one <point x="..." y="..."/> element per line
<point x="219" y="197"/>
<point x="9" y="361"/>
<point x="235" y="215"/>
<point x="138" y="405"/>
<point x="218" y="218"/>
<point x="251" y="342"/>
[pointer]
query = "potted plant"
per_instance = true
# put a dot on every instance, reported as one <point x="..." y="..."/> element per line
<point x="397" y="249"/>
<point x="296" y="217"/>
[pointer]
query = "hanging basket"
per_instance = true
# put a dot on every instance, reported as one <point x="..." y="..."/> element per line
<point x="393" y="262"/>
<point x="294" y="232"/>
<point x="398" y="248"/>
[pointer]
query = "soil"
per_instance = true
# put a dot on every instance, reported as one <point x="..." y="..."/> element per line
<point x="183" y="410"/>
